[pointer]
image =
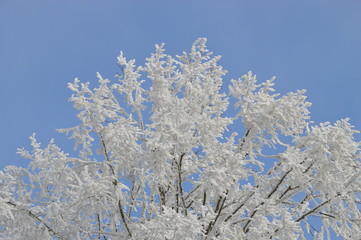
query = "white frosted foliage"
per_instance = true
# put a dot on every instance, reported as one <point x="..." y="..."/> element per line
<point x="172" y="161"/>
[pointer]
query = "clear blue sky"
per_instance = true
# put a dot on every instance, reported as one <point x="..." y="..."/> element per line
<point x="311" y="44"/>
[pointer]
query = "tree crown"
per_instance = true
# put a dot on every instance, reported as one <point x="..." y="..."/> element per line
<point x="168" y="167"/>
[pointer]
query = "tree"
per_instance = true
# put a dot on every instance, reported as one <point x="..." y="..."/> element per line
<point x="168" y="166"/>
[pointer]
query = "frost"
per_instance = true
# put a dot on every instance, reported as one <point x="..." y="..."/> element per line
<point x="171" y="162"/>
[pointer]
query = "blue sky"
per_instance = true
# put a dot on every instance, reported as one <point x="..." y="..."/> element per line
<point x="310" y="44"/>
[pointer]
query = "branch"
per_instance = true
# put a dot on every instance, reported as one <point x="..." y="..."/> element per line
<point x="314" y="209"/>
<point x="287" y="190"/>
<point x="37" y="219"/>
<point x="213" y="222"/>
<point x="245" y="228"/>
<point x="204" y="198"/>
<point x="193" y="190"/>
<point x="327" y="215"/>
<point x="99" y="228"/>
<point x="179" y="165"/>
<point x="115" y="183"/>
<point x="240" y="206"/>
<point x="244" y="139"/>
<point x="123" y="218"/>
<point x="106" y="153"/>
<point x="132" y="198"/>
<point x="279" y="183"/>
<point x="162" y="195"/>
